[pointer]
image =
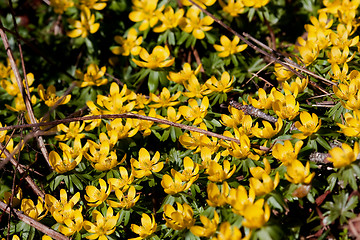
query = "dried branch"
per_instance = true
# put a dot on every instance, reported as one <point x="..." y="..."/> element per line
<point x="32" y="222"/>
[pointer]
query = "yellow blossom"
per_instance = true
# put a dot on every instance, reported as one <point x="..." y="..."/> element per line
<point x="171" y="116"/>
<point x="341" y="37"/>
<point x="241" y="150"/>
<point x="64" y="164"/>
<point x="147" y="228"/>
<point x="339" y="74"/>
<point x="144" y="166"/>
<point x="157" y="59"/>
<point x="85" y="26"/>
<point x="209" y="228"/>
<point x="94" y="4"/>
<point x="72" y="225"/>
<point x="234" y="120"/>
<point x="144" y="125"/>
<point x="179" y="219"/>
<point x="194" y="24"/>
<point x="127" y="201"/>
<point x="308" y="51"/>
<point x="201" y="3"/>
<point x="141" y="101"/>
<point x="224" y="85"/>
<point x="60" y="6"/>
<point x="195" y="112"/>
<point x="286" y="153"/>
<point x="296" y="86"/>
<point x="228" y="47"/>
<point x="103" y="226"/>
<point x="263" y="102"/>
<point x="49" y="96"/>
<point x="145" y="12"/>
<point x="94" y="196"/>
<point x="73" y="131"/>
<point x="175" y="185"/>
<point x="239" y="199"/>
<point x="54" y="205"/>
<point x="322" y="24"/>
<point x="344" y="156"/>
<point x="309" y="125"/>
<point x="268" y="131"/>
<point x="336" y="56"/>
<point x="123" y="182"/>
<point x="233" y="7"/>
<point x="255" y="3"/>
<point x="256" y="214"/>
<point x="169" y="19"/>
<point x="184" y="75"/>
<point x="130" y="44"/>
<point x="37" y="211"/>
<point x="195" y="89"/>
<point x="215" y="197"/>
<point x="352" y="126"/>
<point x="165" y="99"/>
<point x="92" y="77"/>
<point x="286" y="109"/>
<point x="16" y="200"/>
<point x="228" y="232"/>
<point x="261" y="182"/>
<point x="297" y="173"/>
<point x="190" y="171"/>
<point x="11" y="87"/>
<point x="217" y="173"/>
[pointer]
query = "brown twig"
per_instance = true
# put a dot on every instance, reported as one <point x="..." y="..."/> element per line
<point x="32" y="222"/>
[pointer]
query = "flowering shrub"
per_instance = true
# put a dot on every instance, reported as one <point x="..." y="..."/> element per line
<point x="157" y="120"/>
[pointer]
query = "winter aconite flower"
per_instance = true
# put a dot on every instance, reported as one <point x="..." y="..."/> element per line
<point x="102" y="225"/>
<point x="218" y="173"/>
<point x="344" y="156"/>
<point x="72" y="132"/>
<point x="194" y="111"/>
<point x="233" y="7"/>
<point x="297" y="173"/>
<point x="49" y="96"/>
<point x="60" y="6"/>
<point x="256" y="214"/>
<point x="223" y="85"/>
<point x="72" y="225"/>
<point x="94" y="4"/>
<point x="125" y="201"/>
<point x="147" y="228"/>
<point x="37" y="211"/>
<point x="184" y="75"/>
<point x="209" y="228"/>
<point x="287" y="153"/>
<point x="309" y="125"/>
<point x="179" y="219"/>
<point x="165" y="99"/>
<point x="228" y="232"/>
<point x="94" y="196"/>
<point x="169" y="19"/>
<point x="92" y="77"/>
<point x="85" y="26"/>
<point x="129" y="44"/>
<point x="215" y="197"/>
<point x="145" y="11"/>
<point x="175" y="184"/>
<point x="145" y="166"/>
<point x="157" y="59"/>
<point x="228" y="47"/>
<point x="64" y="164"/>
<point x="194" y="24"/>
<point x="352" y="126"/>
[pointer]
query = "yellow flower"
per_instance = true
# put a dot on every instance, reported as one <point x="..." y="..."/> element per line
<point x="263" y="102"/>
<point x="172" y="116"/>
<point x="49" y="96"/>
<point x="215" y="197"/>
<point x="352" y="126"/>
<point x="195" y="112"/>
<point x="195" y="89"/>
<point x="16" y="198"/>
<point x="141" y="101"/>
<point x="336" y="56"/>
<point x="73" y="131"/>
<point x="157" y="59"/>
<point x="123" y="182"/>
<point x="72" y="225"/>
<point x="147" y="228"/>
<point x="256" y="214"/>
<point x="233" y="8"/>
<point x="268" y="131"/>
<point x="297" y="173"/>
<point x="286" y="153"/>
<point x="224" y="85"/>
<point x="184" y="75"/>
<point x="309" y="51"/>
<point x="209" y="228"/>
<point x="309" y="125"/>
<point x="241" y="150"/>
<point x="322" y="25"/>
<point x="127" y="201"/>
<point x="85" y="26"/>
<point x="341" y="37"/>
<point x="145" y="166"/>
<point x="103" y="225"/>
<point x="144" y="125"/>
<point x="217" y="173"/>
<point x="64" y="164"/>
<point x="228" y="47"/>
<point x="60" y="6"/>
<point x="226" y="232"/>
<point x="173" y="186"/>
<point x="201" y="3"/>
<point x="37" y="211"/>
<point x="169" y="19"/>
<point x="238" y="199"/>
<point x="179" y="219"/>
<point x="344" y="156"/>
<point x="165" y="99"/>
<point x="234" y="120"/>
<point x="190" y="170"/>
<point x="193" y="23"/>
<point x="255" y="3"/>
<point x="54" y="205"/>
<point x="287" y="108"/>
<point x="339" y="74"/>
<point x="92" y="77"/>
<point x="94" y="196"/>
<point x="296" y="86"/>
<point x="130" y="44"/>
<point x="265" y="186"/>
<point x="94" y="4"/>
<point x="145" y="12"/>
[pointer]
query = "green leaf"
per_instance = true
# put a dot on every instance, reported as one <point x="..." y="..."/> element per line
<point x="153" y="81"/>
<point x="77" y="182"/>
<point x="323" y="143"/>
